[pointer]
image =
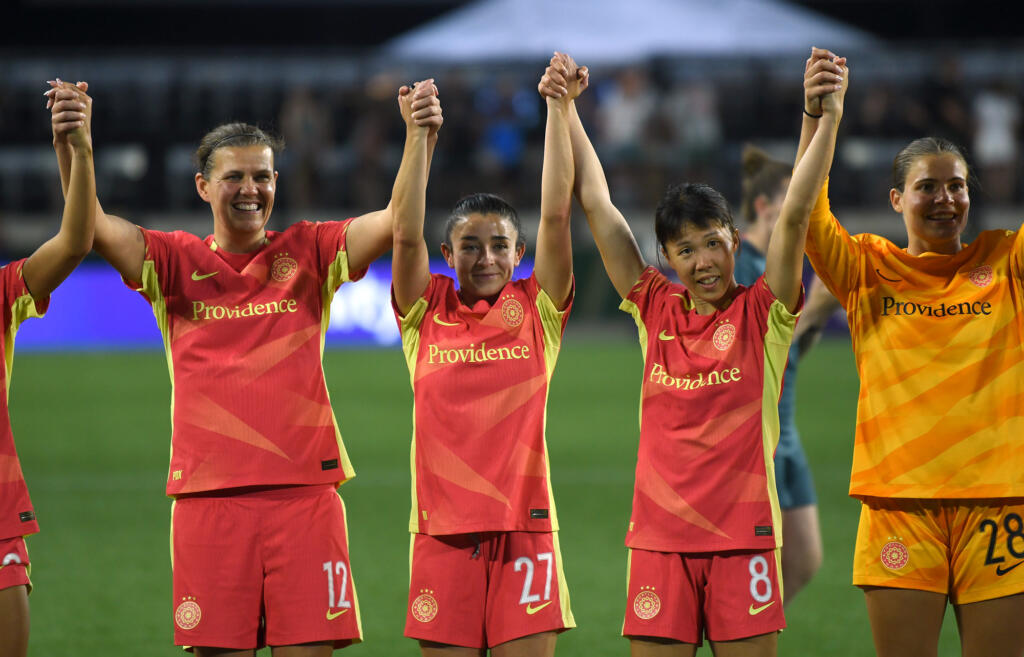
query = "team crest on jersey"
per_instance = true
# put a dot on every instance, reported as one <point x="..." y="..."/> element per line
<point x="424" y="607"/>
<point x="646" y="604"/>
<point x="894" y="554"/>
<point x="980" y="276"/>
<point x="188" y="614"/>
<point x="284" y="267"/>
<point x="512" y="311"/>
<point x="11" y="557"/>
<point x="724" y="336"/>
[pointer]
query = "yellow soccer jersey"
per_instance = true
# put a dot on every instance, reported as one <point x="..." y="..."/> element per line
<point x="938" y="345"/>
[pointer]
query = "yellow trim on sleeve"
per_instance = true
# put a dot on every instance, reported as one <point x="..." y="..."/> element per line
<point x="22" y="308"/>
<point x="410" y="329"/>
<point x="151" y="288"/>
<point x="777" y="340"/>
<point x="337" y="273"/>
<point x="634" y="310"/>
<point x="551" y="319"/>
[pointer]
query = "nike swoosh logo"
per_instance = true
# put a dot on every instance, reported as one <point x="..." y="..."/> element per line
<point x="531" y="610"/>
<point x="891" y="280"/>
<point x="331" y="616"/>
<point x="438" y="320"/>
<point x="196" y="276"/>
<point x="754" y="611"/>
<point x="665" y="336"/>
<point x="1000" y="571"/>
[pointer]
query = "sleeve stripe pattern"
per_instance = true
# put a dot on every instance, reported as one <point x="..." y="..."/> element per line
<point x="777" y="340"/>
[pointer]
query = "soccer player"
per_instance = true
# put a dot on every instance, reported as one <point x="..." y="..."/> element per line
<point x="764" y="188"/>
<point x="259" y="540"/>
<point x="25" y="287"/>
<point x="486" y="569"/>
<point x="705" y="528"/>
<point x="937" y="329"/>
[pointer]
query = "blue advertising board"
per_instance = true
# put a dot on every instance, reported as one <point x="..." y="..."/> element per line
<point x="93" y="309"/>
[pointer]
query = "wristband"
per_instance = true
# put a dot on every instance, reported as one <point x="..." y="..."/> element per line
<point x="813" y="116"/>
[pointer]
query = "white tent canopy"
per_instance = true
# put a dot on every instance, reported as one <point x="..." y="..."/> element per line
<point x="622" y="30"/>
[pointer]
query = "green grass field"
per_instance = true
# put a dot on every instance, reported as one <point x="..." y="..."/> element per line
<point x="93" y="434"/>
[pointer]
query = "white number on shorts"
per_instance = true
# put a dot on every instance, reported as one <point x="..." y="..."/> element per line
<point x="339" y="568"/>
<point x="759" y="573"/>
<point x="526" y="562"/>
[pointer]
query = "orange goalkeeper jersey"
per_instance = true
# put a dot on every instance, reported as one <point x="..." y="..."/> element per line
<point x="938" y="345"/>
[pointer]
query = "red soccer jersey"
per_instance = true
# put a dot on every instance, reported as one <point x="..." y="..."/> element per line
<point x="709" y="423"/>
<point x="244" y="339"/>
<point x="480" y="386"/>
<point x="17" y="518"/>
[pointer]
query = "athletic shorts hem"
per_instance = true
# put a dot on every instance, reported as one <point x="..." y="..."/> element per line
<point x="743" y="634"/>
<point x="907" y="584"/>
<point x="654" y="635"/>
<point x="989" y="593"/>
<point x="416" y="636"/>
<point x="559" y="628"/>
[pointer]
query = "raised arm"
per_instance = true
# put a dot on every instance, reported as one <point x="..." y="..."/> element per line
<point x="618" y="248"/>
<point x="784" y="260"/>
<point x="410" y="266"/>
<point x="370" y="235"/>
<point x="822" y="71"/>
<point x="553" y="265"/>
<point x="118" y="241"/>
<point x="57" y="257"/>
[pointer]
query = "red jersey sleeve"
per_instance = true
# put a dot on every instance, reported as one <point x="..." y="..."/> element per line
<point x="649" y="290"/>
<point x="332" y="253"/>
<point x="18" y="301"/>
<point x="833" y="252"/>
<point x="160" y="248"/>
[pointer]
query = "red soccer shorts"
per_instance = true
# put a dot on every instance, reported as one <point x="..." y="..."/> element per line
<point x="969" y="550"/>
<point x="267" y="567"/>
<point x="14" y="564"/>
<point x="481" y="590"/>
<point x="722" y="595"/>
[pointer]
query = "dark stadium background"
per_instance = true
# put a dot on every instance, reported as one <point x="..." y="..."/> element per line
<point x="354" y="24"/>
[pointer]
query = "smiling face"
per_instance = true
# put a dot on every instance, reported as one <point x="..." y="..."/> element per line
<point x="484" y="254"/>
<point x="240" y="189"/>
<point x="704" y="259"/>
<point x="934" y="203"/>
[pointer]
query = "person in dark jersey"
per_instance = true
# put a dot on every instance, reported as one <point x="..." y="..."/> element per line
<point x="486" y="568"/>
<point x="705" y="531"/>
<point x="764" y="188"/>
<point x="260" y="554"/>
<point x="25" y="287"/>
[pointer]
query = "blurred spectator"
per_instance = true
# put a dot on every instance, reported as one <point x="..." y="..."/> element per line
<point x="945" y="104"/>
<point x="996" y="150"/>
<point x="308" y="134"/>
<point x="507" y="112"/>
<point x="625" y="109"/>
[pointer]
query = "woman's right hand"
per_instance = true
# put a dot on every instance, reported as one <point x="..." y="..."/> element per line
<point x="563" y="78"/>
<point x="420" y="106"/>
<point x="70" y="113"/>
<point x="824" y="73"/>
